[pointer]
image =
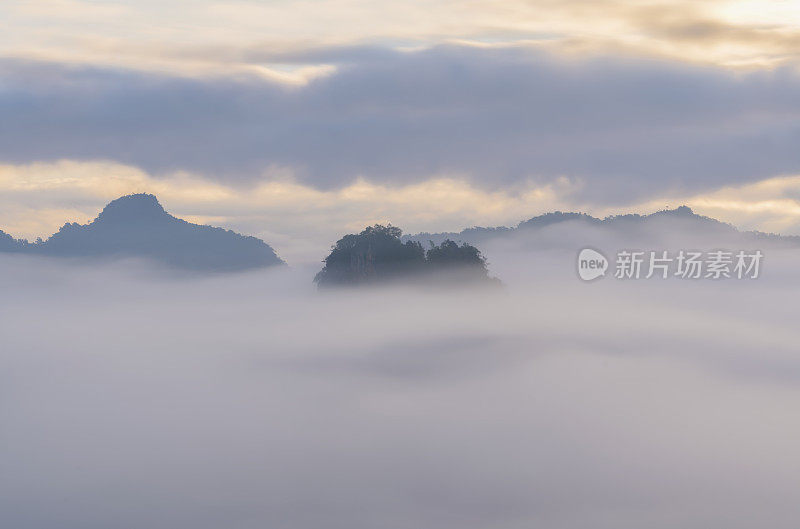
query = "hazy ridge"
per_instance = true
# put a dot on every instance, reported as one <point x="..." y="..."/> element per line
<point x="138" y="226"/>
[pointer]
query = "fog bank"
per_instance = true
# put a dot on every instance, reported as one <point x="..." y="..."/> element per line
<point x="134" y="398"/>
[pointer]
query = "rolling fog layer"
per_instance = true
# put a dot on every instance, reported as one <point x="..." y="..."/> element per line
<point x="130" y="398"/>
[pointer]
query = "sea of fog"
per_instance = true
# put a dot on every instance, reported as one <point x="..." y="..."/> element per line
<point x="135" y="398"/>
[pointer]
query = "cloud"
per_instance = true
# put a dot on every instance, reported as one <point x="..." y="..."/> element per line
<point x="209" y="34"/>
<point x="301" y="221"/>
<point x="554" y="404"/>
<point x="498" y="116"/>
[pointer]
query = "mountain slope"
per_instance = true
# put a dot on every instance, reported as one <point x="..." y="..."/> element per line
<point x="10" y="244"/>
<point x="675" y="226"/>
<point x="138" y="226"/>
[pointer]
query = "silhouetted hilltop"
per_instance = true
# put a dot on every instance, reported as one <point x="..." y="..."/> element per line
<point x="139" y="208"/>
<point x="674" y="224"/>
<point x="377" y="255"/>
<point x="138" y="226"/>
<point x="10" y="244"/>
<point x="682" y="216"/>
<point x="555" y="217"/>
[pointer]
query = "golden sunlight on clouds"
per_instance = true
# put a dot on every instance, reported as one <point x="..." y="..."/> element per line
<point x="212" y="36"/>
<point x="771" y="205"/>
<point x="38" y="198"/>
<point x="300" y="221"/>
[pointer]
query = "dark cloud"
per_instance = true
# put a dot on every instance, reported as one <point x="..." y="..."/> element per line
<point x="628" y="128"/>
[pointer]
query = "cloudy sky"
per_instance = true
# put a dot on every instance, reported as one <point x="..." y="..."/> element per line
<point x="297" y="121"/>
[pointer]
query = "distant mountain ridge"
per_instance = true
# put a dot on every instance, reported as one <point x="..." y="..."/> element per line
<point x="138" y="226"/>
<point x="10" y="244"/>
<point x="681" y="220"/>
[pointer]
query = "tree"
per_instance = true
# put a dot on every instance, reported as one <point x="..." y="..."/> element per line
<point x="375" y="254"/>
<point x="378" y="254"/>
<point x="449" y="255"/>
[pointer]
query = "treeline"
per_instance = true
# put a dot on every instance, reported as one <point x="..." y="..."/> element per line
<point x="378" y="255"/>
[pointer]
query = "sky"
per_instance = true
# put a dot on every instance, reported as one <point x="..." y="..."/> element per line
<point x="300" y="121"/>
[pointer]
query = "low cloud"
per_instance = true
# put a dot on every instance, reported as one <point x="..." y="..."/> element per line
<point x="253" y="401"/>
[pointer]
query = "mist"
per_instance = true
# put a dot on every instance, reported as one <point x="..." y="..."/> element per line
<point x="132" y="397"/>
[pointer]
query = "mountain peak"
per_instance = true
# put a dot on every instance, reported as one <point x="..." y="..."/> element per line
<point x="132" y="208"/>
<point x="136" y="226"/>
<point x="680" y="211"/>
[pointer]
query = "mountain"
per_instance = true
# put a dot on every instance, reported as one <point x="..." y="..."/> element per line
<point x="138" y="226"/>
<point x="10" y="244"/>
<point x="680" y="226"/>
